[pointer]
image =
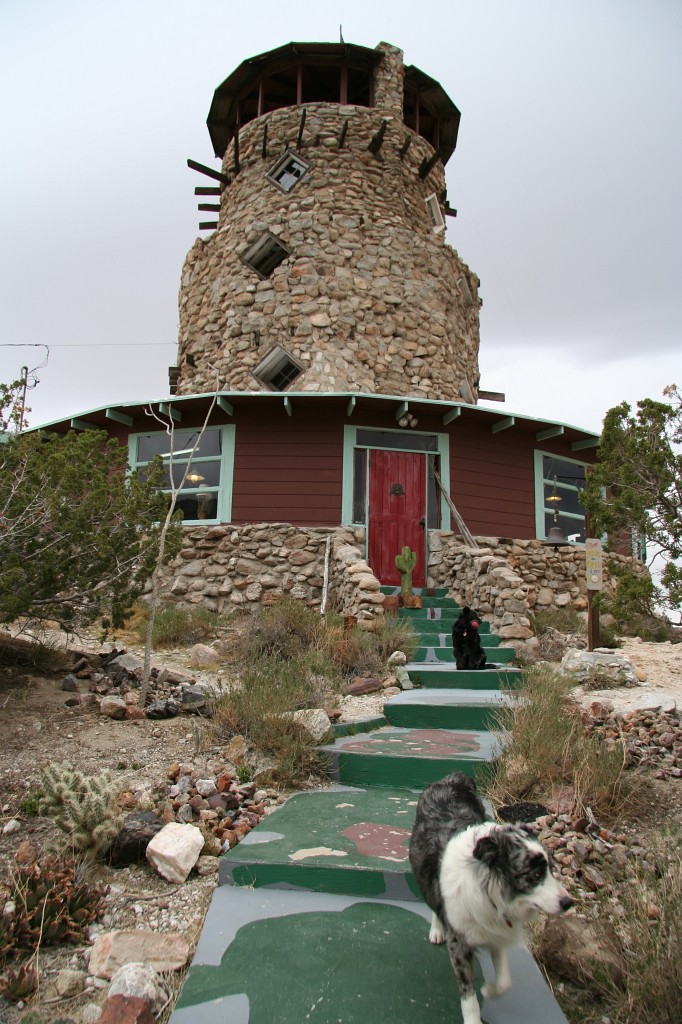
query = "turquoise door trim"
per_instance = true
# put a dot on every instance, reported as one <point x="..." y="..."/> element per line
<point x="349" y="441"/>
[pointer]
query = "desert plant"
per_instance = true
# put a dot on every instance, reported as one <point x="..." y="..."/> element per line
<point x="549" y="748"/>
<point x="19" y="983"/>
<point x="175" y="626"/>
<point x="405" y="563"/>
<point x="47" y="903"/>
<point x="83" y="806"/>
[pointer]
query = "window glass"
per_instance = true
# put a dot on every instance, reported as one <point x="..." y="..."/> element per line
<point x="198" y="498"/>
<point x="198" y="506"/>
<point x="359" y="484"/>
<point x="561" y="485"/>
<point x="149" y="445"/>
<point x="399" y="442"/>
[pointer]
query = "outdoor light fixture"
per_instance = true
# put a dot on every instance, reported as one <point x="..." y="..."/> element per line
<point x="556" y="537"/>
<point x="195" y="478"/>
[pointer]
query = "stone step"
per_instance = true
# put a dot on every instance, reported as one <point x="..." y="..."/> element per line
<point x="443" y="675"/>
<point x="346" y="840"/>
<point x="271" y="956"/>
<point x="410" y="758"/>
<point x="447" y="709"/>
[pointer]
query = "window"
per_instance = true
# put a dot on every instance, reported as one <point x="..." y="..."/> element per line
<point x="288" y="171"/>
<point x="206" y="495"/>
<point x="558" y="486"/>
<point x="266" y="254"/>
<point x="278" y="370"/>
<point x="433" y="206"/>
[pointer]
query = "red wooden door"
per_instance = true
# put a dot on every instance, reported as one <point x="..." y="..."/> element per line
<point x="397" y="511"/>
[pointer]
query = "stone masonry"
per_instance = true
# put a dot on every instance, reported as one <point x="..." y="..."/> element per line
<point x="371" y="298"/>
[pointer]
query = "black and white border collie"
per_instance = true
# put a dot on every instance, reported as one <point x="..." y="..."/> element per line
<point x="482" y="881"/>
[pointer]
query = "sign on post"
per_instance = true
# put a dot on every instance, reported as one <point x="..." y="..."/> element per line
<point x="593" y="563"/>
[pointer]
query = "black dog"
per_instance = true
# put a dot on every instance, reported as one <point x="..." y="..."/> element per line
<point x="466" y="642"/>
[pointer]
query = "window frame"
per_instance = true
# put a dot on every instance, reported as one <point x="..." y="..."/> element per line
<point x="541" y="508"/>
<point x="262" y="243"/>
<point x="279" y="167"/>
<point x="225" y="460"/>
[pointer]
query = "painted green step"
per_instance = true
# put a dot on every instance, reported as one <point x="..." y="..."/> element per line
<point x="423" y="622"/>
<point x="435" y="593"/>
<point x="425" y="674"/>
<point x="444" y="640"/>
<point x="445" y="655"/>
<point x="410" y="758"/>
<point x="346" y="840"/>
<point x="447" y="709"/>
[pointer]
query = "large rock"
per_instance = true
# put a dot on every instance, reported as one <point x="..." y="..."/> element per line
<point x="174" y="850"/>
<point x="113" y="707"/>
<point x="127" y="1010"/>
<point x="137" y="831"/>
<point x="202" y="656"/>
<point x="315" y="721"/>
<point x="599" y="669"/>
<point x="581" y="952"/>
<point x="138" y="980"/>
<point x="112" y="950"/>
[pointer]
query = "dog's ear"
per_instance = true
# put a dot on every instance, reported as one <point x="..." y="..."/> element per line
<point x="487" y="850"/>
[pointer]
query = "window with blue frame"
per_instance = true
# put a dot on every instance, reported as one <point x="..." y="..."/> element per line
<point x="558" y="486"/>
<point x="205" y="493"/>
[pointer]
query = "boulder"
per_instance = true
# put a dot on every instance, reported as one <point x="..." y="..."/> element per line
<point x="582" y="952"/>
<point x="362" y="685"/>
<point x="174" y="850"/>
<point x="202" y="656"/>
<point x="130" y="845"/>
<point x="599" y="669"/>
<point x="315" y="721"/>
<point x="162" y="951"/>
<point x="158" y="709"/>
<point x="138" y="980"/>
<point x="113" y="707"/>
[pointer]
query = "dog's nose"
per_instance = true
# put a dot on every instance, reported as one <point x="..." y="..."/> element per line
<point x="565" y="902"/>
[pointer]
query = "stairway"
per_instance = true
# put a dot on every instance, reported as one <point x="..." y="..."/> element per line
<point x="316" y="916"/>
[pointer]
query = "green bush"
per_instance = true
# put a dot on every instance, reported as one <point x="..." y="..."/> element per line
<point x="177" y="627"/>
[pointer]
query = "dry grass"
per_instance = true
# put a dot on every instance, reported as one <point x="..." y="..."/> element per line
<point x="550" y="749"/>
<point x="174" y="626"/>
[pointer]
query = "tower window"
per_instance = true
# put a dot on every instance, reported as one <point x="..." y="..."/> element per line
<point x="265" y="254"/>
<point x="433" y="206"/>
<point x="288" y="171"/>
<point x="278" y="370"/>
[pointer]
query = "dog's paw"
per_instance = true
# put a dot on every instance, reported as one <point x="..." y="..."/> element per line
<point x="436" y="935"/>
<point x="493" y="990"/>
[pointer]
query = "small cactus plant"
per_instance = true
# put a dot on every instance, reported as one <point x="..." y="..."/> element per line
<point x="83" y="806"/>
<point x="405" y="564"/>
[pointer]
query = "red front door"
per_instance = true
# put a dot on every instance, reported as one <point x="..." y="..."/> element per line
<point x="397" y="513"/>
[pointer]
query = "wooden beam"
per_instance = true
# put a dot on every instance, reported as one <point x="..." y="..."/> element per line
<point x="300" y="130"/>
<point x="405" y="146"/>
<point x="544" y="435"/>
<point x="378" y="139"/>
<point x="402" y="410"/>
<point x="77" y="424"/>
<point x="449" y="211"/>
<point x="504" y="424"/>
<point x="287" y="405"/>
<point x="589" y="442"/>
<point x="236" y="148"/>
<point x="351" y="406"/>
<point x="207" y="190"/>
<point x="264" y="148"/>
<point x="492" y="396"/>
<point x="453" y="414"/>
<point x="119" y="417"/>
<point x="428" y="165"/>
<point x="166" y="409"/>
<point x="223" y="404"/>
<point x="342" y="135"/>
<point x="209" y="172"/>
<point x="209" y="207"/>
<point x="208" y="225"/>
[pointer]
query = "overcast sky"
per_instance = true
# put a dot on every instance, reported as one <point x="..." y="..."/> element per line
<point x="567" y="178"/>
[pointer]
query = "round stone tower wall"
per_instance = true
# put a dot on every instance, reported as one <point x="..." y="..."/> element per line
<point x="371" y="298"/>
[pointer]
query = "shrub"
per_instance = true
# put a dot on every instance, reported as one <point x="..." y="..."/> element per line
<point x="549" y="748"/>
<point x="175" y="626"/>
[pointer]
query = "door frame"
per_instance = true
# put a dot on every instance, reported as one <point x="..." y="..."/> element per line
<point x="349" y="445"/>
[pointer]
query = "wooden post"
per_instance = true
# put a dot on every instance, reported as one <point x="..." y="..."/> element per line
<point x="592" y="622"/>
<point x="594" y="577"/>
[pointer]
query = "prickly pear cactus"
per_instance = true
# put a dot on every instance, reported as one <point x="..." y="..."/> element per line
<point x="405" y="564"/>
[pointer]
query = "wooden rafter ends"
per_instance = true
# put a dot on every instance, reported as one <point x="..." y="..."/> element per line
<point x="342" y="136"/>
<point x="207" y="190"/>
<point x="405" y="146"/>
<point x="377" y="141"/>
<point x="449" y="211"/>
<point x="461" y="525"/>
<point x="207" y="225"/>
<point x="492" y="396"/>
<point x="428" y="165"/>
<point x="208" y="171"/>
<point x="236" y="149"/>
<point x="209" y="207"/>
<point x="264" y="150"/>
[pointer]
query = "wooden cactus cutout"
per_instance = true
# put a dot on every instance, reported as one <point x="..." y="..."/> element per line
<point x="405" y="563"/>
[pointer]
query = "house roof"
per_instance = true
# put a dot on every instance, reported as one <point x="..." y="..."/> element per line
<point x="230" y="402"/>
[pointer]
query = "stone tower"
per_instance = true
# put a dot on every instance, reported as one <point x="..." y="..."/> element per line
<point x="327" y="269"/>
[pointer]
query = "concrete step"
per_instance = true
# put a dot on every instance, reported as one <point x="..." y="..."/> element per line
<point x="346" y="840"/>
<point x="271" y="956"/>
<point x="410" y="758"/>
<point x="447" y="709"/>
<point x="424" y="620"/>
<point x="443" y="675"/>
<point x="444" y="640"/>
<point x="445" y="655"/>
